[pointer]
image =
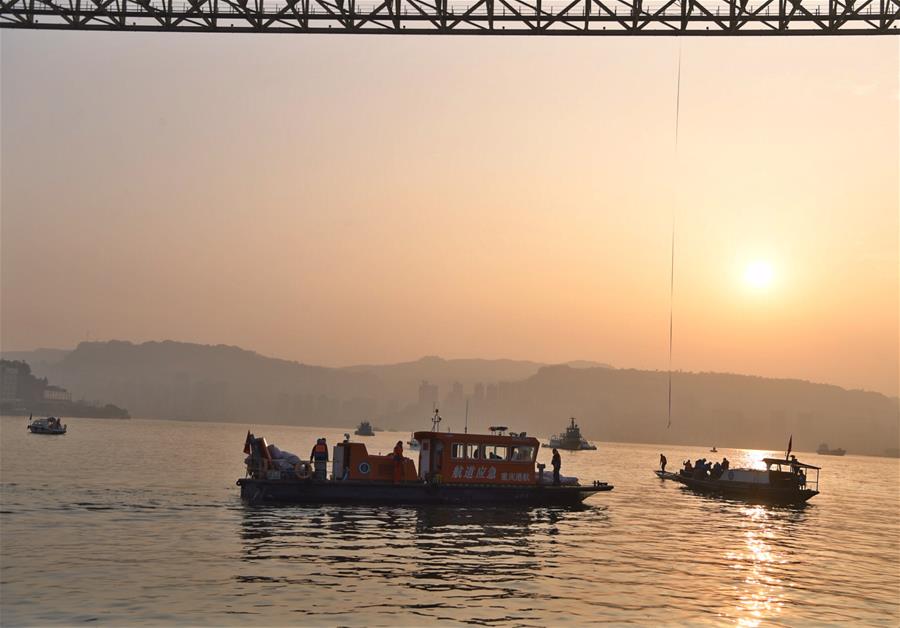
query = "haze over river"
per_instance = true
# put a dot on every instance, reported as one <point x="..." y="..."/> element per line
<point x="140" y="522"/>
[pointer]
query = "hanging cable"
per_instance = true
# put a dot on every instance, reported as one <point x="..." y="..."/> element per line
<point x="672" y="261"/>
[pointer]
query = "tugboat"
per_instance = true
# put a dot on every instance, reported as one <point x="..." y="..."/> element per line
<point x="454" y="468"/>
<point x="571" y="439"/>
<point x="823" y="450"/>
<point x="782" y="482"/>
<point x="50" y="425"/>
<point x="365" y="429"/>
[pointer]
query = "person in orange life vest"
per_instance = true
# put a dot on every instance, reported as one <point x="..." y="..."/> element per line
<point x="319" y="457"/>
<point x="398" y="461"/>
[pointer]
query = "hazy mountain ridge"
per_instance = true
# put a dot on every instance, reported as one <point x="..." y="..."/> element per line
<point x="183" y="380"/>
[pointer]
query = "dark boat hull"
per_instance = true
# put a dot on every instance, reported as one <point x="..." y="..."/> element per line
<point x="753" y="493"/>
<point x="43" y="430"/>
<point x="348" y="492"/>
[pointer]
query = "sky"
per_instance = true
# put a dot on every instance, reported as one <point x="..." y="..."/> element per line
<point x="350" y="199"/>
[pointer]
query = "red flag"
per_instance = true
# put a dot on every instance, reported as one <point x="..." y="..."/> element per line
<point x="790" y="443"/>
<point x="247" y="442"/>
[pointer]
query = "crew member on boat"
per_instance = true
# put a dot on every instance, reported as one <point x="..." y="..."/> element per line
<point x="398" y="462"/>
<point x="319" y="456"/>
<point x="556" y="463"/>
<point x="662" y="462"/>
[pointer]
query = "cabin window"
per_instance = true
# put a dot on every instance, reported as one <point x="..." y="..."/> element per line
<point x="458" y="450"/>
<point x="521" y="453"/>
<point x="475" y="452"/>
<point x="496" y="452"/>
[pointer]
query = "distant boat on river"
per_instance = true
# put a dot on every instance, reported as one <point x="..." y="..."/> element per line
<point x="365" y="429"/>
<point x="50" y="425"/>
<point x="571" y="439"/>
<point x="823" y="450"/>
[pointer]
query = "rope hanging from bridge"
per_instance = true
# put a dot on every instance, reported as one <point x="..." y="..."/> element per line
<point x="672" y="261"/>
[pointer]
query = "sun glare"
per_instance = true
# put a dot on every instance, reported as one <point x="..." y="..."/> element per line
<point x="758" y="274"/>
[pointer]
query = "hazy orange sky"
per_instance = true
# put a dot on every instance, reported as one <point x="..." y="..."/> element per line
<point x="339" y="200"/>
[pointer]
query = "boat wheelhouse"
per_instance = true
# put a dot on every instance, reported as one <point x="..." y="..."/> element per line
<point x="461" y="469"/>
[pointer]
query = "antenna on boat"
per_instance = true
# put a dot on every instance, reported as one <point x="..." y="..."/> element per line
<point x="466" y="428"/>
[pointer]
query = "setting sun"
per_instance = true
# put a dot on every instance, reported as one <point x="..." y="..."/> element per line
<point x="758" y="274"/>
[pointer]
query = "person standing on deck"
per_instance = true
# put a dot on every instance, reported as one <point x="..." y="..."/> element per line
<point x="556" y="463"/>
<point x="662" y="462"/>
<point x="398" y="462"/>
<point x="319" y="457"/>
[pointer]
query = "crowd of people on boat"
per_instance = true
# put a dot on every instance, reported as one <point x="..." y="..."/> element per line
<point x="700" y="469"/>
<point x="703" y="469"/>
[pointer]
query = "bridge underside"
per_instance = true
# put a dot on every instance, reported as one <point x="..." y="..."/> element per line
<point x="464" y="17"/>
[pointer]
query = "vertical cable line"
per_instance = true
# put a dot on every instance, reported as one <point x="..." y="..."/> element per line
<point x="672" y="261"/>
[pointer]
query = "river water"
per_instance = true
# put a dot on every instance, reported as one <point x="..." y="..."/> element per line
<point x="140" y="522"/>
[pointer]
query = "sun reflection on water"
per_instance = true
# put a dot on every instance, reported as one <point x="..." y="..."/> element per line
<point x="760" y="594"/>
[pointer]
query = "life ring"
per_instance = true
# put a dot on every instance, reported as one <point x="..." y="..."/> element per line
<point x="364" y="468"/>
<point x="303" y="470"/>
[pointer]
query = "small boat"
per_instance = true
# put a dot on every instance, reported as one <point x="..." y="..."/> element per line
<point x="782" y="482"/>
<point x="823" y="450"/>
<point x="49" y="425"/>
<point x="365" y="429"/>
<point x="412" y="444"/>
<point x="571" y="439"/>
<point x="713" y="450"/>
<point x="453" y="468"/>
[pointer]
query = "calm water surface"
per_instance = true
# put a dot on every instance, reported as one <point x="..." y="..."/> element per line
<point x="139" y="522"/>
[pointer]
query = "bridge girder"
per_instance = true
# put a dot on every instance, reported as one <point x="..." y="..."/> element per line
<point x="464" y="17"/>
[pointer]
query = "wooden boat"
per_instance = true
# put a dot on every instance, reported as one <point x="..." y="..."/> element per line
<point x="571" y="439"/>
<point x="782" y="482"/>
<point x="461" y="469"/>
<point x="49" y="425"/>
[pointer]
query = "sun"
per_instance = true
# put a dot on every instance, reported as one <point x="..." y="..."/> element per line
<point x="758" y="274"/>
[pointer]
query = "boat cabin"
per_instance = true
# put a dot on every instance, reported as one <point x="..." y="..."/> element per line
<point x="352" y="461"/>
<point x="497" y="458"/>
<point x="781" y="472"/>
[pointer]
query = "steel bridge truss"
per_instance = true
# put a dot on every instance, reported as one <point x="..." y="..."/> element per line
<point x="464" y="17"/>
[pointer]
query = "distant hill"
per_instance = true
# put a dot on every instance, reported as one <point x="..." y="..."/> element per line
<point x="201" y="382"/>
<point x="402" y="379"/>
<point x="708" y="408"/>
<point x="183" y="380"/>
<point x="38" y="357"/>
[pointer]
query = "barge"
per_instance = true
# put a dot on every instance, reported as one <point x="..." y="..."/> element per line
<point x="453" y="468"/>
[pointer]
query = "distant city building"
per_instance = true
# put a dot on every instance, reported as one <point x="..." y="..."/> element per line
<point x="428" y="394"/>
<point x="456" y="393"/>
<point x="491" y="392"/>
<point x="9" y="383"/>
<point x="57" y="393"/>
<point x="478" y="393"/>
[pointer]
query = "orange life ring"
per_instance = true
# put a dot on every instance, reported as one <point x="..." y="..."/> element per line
<point x="303" y="470"/>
